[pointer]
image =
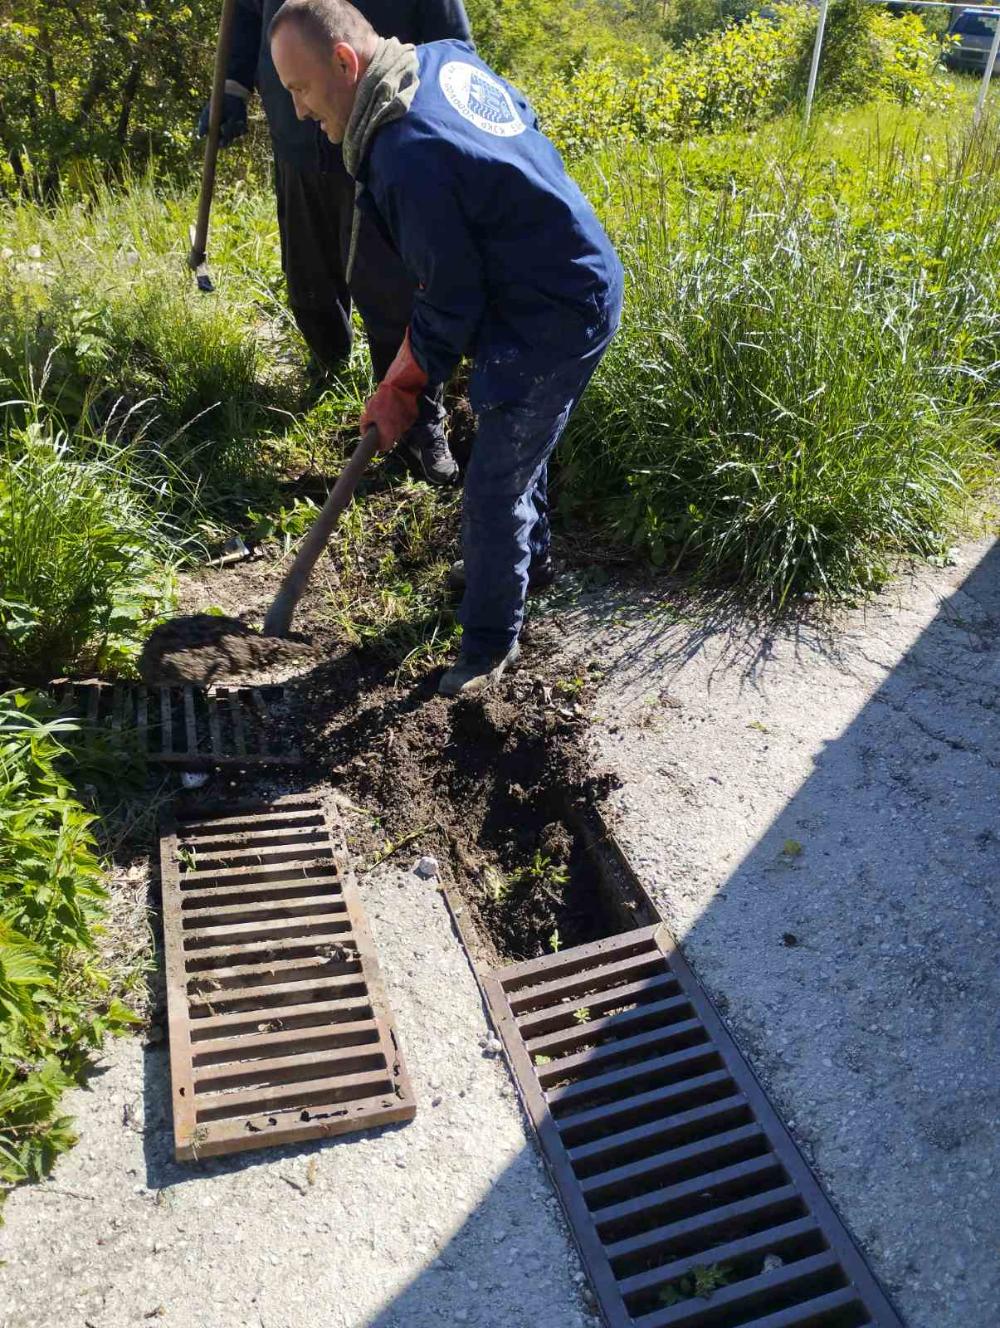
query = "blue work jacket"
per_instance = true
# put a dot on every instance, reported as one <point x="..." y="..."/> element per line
<point x="512" y="264"/>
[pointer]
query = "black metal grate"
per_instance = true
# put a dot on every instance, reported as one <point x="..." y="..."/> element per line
<point x="279" y="1028"/>
<point x="690" y="1203"/>
<point x="193" y="727"/>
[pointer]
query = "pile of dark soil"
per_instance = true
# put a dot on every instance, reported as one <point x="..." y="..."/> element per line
<point x="205" y="648"/>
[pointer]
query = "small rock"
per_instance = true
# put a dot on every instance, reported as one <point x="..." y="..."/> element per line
<point x="34" y="251"/>
<point x="428" y="867"/>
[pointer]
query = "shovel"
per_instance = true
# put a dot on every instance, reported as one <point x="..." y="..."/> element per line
<point x="200" y="648"/>
<point x="198" y="234"/>
<point x="285" y="602"/>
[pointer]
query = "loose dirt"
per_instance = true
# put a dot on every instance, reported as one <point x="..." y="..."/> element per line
<point x="205" y="648"/>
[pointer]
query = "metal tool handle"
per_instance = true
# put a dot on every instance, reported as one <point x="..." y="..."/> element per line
<point x="199" y="234"/>
<point x="279" y="615"/>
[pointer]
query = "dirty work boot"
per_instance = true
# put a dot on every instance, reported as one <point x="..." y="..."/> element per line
<point x="540" y="576"/>
<point x="426" y="449"/>
<point x="474" y="673"/>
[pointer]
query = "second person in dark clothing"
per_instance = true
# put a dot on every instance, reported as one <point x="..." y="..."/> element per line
<point x="315" y="201"/>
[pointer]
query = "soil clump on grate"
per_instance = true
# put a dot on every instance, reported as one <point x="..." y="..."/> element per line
<point x="204" y="648"/>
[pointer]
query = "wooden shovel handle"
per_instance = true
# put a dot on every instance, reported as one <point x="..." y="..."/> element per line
<point x="199" y="235"/>
<point x="279" y="615"/>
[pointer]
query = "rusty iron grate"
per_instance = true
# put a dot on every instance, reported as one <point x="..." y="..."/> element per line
<point x="690" y="1203"/>
<point x="193" y="727"/>
<point x="279" y="1027"/>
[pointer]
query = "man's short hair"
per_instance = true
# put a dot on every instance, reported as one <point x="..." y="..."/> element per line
<point x="325" y="21"/>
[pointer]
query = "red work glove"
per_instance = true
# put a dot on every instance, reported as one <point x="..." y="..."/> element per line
<point x="393" y="408"/>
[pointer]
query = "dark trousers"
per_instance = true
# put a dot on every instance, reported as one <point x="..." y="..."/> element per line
<point x="315" y="216"/>
<point x="505" y="509"/>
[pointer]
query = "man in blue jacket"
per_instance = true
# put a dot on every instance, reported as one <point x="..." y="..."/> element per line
<point x="315" y="199"/>
<point x="512" y="268"/>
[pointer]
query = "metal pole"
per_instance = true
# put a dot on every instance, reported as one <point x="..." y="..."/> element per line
<point x="814" y="67"/>
<point x="984" y="87"/>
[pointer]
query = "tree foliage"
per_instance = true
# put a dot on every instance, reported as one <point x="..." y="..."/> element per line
<point x="109" y="84"/>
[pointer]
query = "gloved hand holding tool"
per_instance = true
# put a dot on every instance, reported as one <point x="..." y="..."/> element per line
<point x="233" y="124"/>
<point x="395" y="404"/>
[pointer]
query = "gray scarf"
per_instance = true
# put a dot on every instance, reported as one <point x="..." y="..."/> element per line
<point x="384" y="94"/>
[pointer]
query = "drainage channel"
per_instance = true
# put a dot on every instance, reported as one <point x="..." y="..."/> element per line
<point x="688" y="1199"/>
<point x="193" y="728"/>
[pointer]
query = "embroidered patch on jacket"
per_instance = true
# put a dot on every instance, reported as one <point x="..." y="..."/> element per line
<point x="480" y="99"/>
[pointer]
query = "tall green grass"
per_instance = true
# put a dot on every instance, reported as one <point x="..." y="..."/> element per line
<point x="97" y="308"/>
<point x="806" y="383"/>
<point x="85" y="553"/>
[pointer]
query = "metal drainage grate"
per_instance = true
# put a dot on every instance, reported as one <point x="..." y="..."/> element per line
<point x="193" y="727"/>
<point x="689" y="1201"/>
<point x="279" y="1028"/>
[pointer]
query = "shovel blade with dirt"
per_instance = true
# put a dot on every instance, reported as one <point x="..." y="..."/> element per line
<point x="202" y="648"/>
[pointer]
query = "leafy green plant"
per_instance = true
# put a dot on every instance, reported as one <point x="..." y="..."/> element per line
<point x="542" y="872"/>
<point x="108" y="83"/>
<point x="288" y="523"/>
<point x="739" y="76"/>
<point x="700" y="1282"/>
<point x="55" y="1002"/>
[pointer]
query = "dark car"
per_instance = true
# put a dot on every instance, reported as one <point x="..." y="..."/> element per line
<point x="974" y="29"/>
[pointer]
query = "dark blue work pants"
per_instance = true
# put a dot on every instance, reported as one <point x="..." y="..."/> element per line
<point x="505" y="510"/>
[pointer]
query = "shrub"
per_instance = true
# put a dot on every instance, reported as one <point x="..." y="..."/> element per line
<point x="80" y="556"/>
<point x="55" y="1002"/>
<point x="798" y="395"/>
<point x="547" y="39"/>
<point x="907" y="60"/>
<point x="738" y="77"/>
<point x="111" y="83"/>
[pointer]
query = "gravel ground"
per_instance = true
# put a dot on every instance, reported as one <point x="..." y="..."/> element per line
<point x="449" y="1219"/>
<point x="816" y="817"/>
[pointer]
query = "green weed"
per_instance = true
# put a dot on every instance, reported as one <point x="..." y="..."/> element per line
<point x="700" y="1282"/>
<point x="55" y="1003"/>
<point x="542" y="873"/>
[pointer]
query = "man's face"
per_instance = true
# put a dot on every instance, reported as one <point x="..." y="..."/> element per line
<point x="322" y="80"/>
